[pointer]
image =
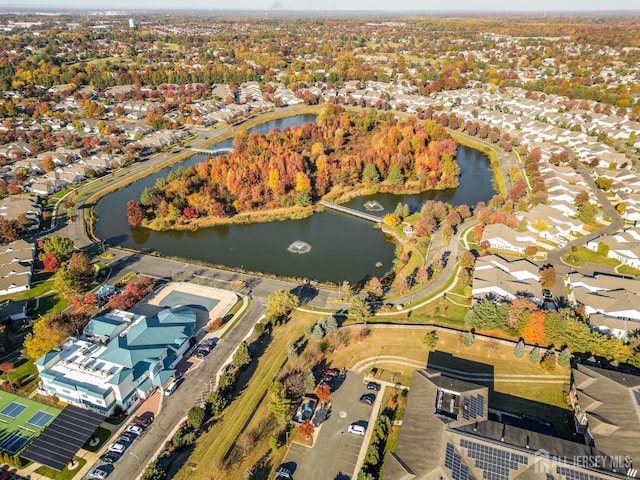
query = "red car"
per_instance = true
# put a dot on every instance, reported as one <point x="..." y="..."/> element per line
<point x="332" y="372"/>
<point x="143" y="422"/>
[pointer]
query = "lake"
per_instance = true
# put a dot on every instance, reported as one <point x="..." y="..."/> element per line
<point x="343" y="247"/>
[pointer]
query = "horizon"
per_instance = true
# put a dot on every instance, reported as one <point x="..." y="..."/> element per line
<point x="370" y="7"/>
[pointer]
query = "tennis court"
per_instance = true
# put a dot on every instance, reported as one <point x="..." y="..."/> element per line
<point x="22" y="419"/>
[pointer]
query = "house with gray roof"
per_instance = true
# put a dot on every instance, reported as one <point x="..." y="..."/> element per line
<point x="16" y="266"/>
<point x="506" y="280"/>
<point x="119" y="359"/>
<point x="451" y="432"/>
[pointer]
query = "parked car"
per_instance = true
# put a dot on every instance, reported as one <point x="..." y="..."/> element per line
<point x="99" y="473"/>
<point x="283" y="472"/>
<point x="117" y="447"/>
<point x="143" y="420"/>
<point x="331" y="372"/>
<point x="111" y="457"/>
<point x="134" y="429"/>
<point x="368" y="399"/>
<point x="373" y="386"/>
<point x="126" y="437"/>
<point x="172" y="386"/>
<point x="357" y="429"/>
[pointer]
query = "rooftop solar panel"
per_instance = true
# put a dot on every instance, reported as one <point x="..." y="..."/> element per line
<point x="495" y="463"/>
<point x="453" y="461"/>
<point x="571" y="474"/>
<point x="60" y="441"/>
<point x="13" y="409"/>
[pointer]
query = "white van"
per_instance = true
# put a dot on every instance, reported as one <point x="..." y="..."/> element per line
<point x="357" y="429"/>
<point x="172" y="387"/>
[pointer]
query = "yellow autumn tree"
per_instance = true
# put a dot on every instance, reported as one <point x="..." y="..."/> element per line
<point x="303" y="183"/>
<point x="274" y="181"/>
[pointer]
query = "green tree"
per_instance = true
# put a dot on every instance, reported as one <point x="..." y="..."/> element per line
<point x="395" y="175"/>
<point x="279" y="404"/>
<point x="520" y="349"/>
<point x="195" y="416"/>
<point x="370" y="175"/>
<point x="309" y="381"/>
<point x="61" y="246"/>
<point x="216" y="402"/>
<point x="587" y="212"/>
<point x="153" y="471"/>
<point x="468" y="339"/>
<point x="302" y="199"/>
<point x="534" y="356"/>
<point x="431" y="340"/>
<point x="67" y="283"/>
<point x="359" y="308"/>
<point x="564" y="357"/>
<point x="331" y="325"/>
<point x="281" y="303"/>
<point x="317" y="332"/>
<point x="292" y="351"/>
<point x="242" y="356"/>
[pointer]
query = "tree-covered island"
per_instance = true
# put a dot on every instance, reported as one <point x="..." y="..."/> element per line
<point x="283" y="173"/>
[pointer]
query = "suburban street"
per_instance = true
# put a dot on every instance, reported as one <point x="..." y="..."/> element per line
<point x="174" y="407"/>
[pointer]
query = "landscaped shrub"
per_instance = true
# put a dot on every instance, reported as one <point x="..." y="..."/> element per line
<point x="564" y="357"/>
<point x="318" y="332"/>
<point x="468" y="339"/>
<point x="196" y="415"/>
<point x="216" y="402"/>
<point x="548" y="362"/>
<point x="534" y="356"/>
<point x="520" y="349"/>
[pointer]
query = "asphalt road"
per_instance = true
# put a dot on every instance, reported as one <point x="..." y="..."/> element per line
<point x="335" y="452"/>
<point x="175" y="406"/>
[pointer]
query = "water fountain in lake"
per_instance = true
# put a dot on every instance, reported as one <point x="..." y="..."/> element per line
<point x="299" y="247"/>
<point x="373" y="206"/>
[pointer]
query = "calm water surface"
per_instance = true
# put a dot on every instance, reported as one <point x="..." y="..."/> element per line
<point x="342" y="247"/>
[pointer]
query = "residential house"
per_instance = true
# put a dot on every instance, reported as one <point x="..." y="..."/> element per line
<point x="501" y="237"/>
<point x="451" y="430"/>
<point x="503" y="279"/>
<point x="16" y="266"/>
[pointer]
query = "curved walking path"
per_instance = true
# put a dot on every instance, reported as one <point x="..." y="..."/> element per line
<point x="363" y="365"/>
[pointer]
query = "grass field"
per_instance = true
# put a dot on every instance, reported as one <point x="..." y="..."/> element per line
<point x="582" y="254"/>
<point x="407" y="344"/>
<point x="219" y="437"/>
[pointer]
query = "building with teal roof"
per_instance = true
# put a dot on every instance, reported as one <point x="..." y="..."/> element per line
<point x="119" y="360"/>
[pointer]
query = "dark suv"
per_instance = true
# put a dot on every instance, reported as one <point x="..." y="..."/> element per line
<point x="373" y="386"/>
<point x="283" y="473"/>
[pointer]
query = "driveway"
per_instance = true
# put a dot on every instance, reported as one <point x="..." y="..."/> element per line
<point x="335" y="451"/>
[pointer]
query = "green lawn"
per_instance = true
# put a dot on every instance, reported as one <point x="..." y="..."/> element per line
<point x="66" y="474"/>
<point x="217" y="440"/>
<point x="627" y="270"/>
<point x="101" y="434"/>
<point x="582" y="254"/>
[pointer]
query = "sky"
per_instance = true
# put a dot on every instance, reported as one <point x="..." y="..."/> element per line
<point x="350" y="5"/>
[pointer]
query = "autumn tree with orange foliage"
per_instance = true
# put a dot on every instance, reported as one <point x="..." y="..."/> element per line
<point x="323" y="391"/>
<point x="301" y="164"/>
<point x="533" y="331"/>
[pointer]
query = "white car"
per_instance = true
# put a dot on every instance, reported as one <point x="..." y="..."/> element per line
<point x="98" y="474"/>
<point x="357" y="429"/>
<point x="117" y="447"/>
<point x="135" y="429"/>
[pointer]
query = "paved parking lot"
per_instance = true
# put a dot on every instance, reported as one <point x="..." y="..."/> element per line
<point x="335" y="452"/>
